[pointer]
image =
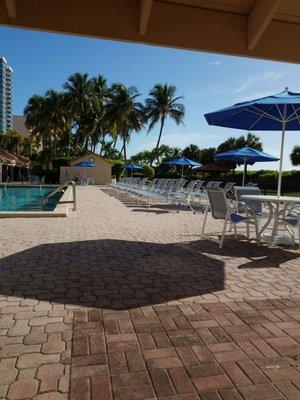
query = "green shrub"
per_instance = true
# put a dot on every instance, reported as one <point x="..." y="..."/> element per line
<point x="148" y="171"/>
<point x="117" y="168"/>
<point x="51" y="176"/>
<point x="58" y="162"/>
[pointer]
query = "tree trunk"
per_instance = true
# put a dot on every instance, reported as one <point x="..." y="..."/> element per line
<point x="86" y="144"/>
<point x="124" y="148"/>
<point x="115" y="142"/>
<point x="162" y="123"/>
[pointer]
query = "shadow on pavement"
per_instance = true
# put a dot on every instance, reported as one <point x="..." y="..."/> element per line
<point x="116" y="274"/>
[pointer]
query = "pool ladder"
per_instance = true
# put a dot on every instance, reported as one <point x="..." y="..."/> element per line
<point x="67" y="184"/>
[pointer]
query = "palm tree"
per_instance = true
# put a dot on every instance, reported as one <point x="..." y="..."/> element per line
<point x="124" y="113"/>
<point x="175" y="152"/>
<point x="12" y="141"/>
<point x="108" y="151"/>
<point x="249" y="140"/>
<point x="58" y="118"/>
<point x="29" y="147"/>
<point x="37" y="122"/>
<point x="229" y="144"/>
<point x="192" y="152"/>
<point x="143" y="157"/>
<point x="162" y="104"/>
<point x="48" y="120"/>
<point x="101" y="94"/>
<point x="295" y="155"/>
<point x="207" y="155"/>
<point x="80" y="100"/>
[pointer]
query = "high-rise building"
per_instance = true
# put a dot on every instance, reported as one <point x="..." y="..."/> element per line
<point x="6" y="118"/>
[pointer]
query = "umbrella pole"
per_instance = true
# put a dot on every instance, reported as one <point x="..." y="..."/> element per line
<point x="244" y="172"/>
<point x="182" y="171"/>
<point x="281" y="152"/>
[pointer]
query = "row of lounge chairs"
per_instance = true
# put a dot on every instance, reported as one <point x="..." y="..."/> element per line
<point x="224" y="202"/>
<point x="172" y="191"/>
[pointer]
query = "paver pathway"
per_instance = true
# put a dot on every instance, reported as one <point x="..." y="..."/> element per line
<point x="233" y="350"/>
<point x="137" y="307"/>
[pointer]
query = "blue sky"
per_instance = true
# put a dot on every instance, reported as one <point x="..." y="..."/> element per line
<point x="207" y="81"/>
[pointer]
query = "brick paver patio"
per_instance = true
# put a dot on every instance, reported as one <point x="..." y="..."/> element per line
<point x="118" y="301"/>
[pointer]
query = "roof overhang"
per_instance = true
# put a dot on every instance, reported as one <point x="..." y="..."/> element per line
<point x="268" y="29"/>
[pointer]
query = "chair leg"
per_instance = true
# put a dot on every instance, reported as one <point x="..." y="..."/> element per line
<point x="235" y="232"/>
<point x="204" y="222"/>
<point x="223" y="233"/>
<point x="247" y="226"/>
<point x="257" y="233"/>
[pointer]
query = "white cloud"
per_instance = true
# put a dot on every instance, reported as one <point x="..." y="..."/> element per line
<point x="215" y="63"/>
<point x="265" y="78"/>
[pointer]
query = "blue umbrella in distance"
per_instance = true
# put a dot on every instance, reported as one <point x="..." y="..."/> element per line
<point x="183" y="162"/>
<point x="245" y="155"/>
<point x="132" y="167"/>
<point x="279" y="112"/>
<point x="84" y="164"/>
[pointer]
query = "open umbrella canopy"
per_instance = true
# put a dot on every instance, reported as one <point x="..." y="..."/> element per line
<point x="264" y="114"/>
<point x="183" y="162"/>
<point x="132" y="166"/>
<point x="85" y="164"/>
<point x="278" y="112"/>
<point x="245" y="154"/>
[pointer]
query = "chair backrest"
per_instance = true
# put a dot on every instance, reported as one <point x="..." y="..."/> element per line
<point x="142" y="183"/>
<point x="254" y="205"/>
<point x="157" y="185"/>
<point x="210" y="184"/>
<point x="176" y="185"/>
<point x="169" y="185"/>
<point x="218" y="202"/>
<point x="181" y="185"/>
<point x="198" y="187"/>
<point x="163" y="184"/>
<point x="152" y="183"/>
<point x="251" y="184"/>
<point x="190" y="186"/>
<point x="228" y="186"/>
<point x="217" y="184"/>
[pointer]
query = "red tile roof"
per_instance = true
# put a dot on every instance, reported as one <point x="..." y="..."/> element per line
<point x="9" y="158"/>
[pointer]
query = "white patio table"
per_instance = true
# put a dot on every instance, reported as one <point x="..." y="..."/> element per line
<point x="277" y="206"/>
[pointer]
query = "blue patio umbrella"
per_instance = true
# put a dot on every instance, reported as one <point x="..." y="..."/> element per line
<point x="245" y="155"/>
<point x="84" y="164"/>
<point x="133" y="167"/>
<point x="279" y="112"/>
<point x="183" y="162"/>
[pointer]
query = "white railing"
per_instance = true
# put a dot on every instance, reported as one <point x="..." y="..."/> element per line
<point x="72" y="183"/>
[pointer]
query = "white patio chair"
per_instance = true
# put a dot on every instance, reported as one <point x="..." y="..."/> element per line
<point x="291" y="218"/>
<point x="223" y="211"/>
<point x="250" y="207"/>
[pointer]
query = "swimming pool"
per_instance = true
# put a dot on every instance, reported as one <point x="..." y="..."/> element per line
<point x="27" y="198"/>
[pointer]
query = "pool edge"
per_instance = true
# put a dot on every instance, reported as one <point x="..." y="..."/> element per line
<point x="60" y="211"/>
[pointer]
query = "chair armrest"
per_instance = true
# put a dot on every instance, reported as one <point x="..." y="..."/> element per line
<point x="247" y="208"/>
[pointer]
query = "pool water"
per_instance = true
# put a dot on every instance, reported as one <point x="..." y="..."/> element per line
<point x="13" y="198"/>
